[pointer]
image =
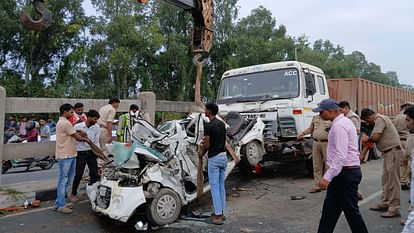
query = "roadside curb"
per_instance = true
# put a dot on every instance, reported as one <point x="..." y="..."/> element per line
<point x="16" y="195"/>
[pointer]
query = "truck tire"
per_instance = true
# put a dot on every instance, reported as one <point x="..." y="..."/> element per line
<point x="164" y="208"/>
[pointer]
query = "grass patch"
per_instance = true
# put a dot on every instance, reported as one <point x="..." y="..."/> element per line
<point x="11" y="192"/>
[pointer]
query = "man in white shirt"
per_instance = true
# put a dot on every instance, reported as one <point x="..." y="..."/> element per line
<point x="85" y="154"/>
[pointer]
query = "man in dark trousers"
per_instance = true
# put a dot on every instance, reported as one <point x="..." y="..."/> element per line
<point x="215" y="142"/>
<point x="85" y="154"/>
<point x="344" y="173"/>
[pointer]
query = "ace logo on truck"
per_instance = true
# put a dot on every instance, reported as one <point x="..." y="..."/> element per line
<point x="289" y="73"/>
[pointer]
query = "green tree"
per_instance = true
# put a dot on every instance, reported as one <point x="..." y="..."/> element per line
<point x="36" y="56"/>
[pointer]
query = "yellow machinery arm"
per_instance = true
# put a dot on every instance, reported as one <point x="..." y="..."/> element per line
<point x="201" y="10"/>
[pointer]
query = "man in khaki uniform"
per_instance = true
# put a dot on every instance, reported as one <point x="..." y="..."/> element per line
<point x="106" y="122"/>
<point x="401" y="126"/>
<point x="345" y="109"/>
<point x="385" y="136"/>
<point x="318" y="129"/>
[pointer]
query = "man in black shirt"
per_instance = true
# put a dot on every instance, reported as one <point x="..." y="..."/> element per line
<point x="215" y="143"/>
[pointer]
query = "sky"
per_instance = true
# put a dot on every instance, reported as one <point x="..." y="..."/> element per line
<point x="381" y="29"/>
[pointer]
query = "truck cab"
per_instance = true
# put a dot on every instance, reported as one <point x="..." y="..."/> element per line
<point x="283" y="95"/>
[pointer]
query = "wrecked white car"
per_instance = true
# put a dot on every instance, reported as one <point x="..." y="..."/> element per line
<point x="160" y="177"/>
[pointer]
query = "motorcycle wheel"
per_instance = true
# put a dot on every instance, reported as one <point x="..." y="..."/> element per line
<point x="47" y="166"/>
<point x="5" y="167"/>
<point x="164" y="208"/>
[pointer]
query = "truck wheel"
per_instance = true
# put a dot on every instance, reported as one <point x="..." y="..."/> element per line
<point x="309" y="166"/>
<point x="164" y="208"/>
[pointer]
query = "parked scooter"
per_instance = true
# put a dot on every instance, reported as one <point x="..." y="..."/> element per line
<point x="45" y="162"/>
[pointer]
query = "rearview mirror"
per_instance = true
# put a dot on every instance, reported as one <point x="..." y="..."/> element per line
<point x="310" y="84"/>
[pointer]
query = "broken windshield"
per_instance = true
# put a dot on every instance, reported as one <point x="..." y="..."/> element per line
<point x="261" y="86"/>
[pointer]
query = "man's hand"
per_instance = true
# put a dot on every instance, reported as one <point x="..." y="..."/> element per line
<point x="82" y="133"/>
<point x="323" y="184"/>
<point x="301" y="136"/>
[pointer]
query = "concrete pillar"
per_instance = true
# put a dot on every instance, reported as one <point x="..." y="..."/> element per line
<point x="147" y="100"/>
<point x="2" y="113"/>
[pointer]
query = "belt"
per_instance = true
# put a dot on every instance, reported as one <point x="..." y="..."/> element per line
<point x="323" y="140"/>
<point x="395" y="147"/>
<point x="350" y="167"/>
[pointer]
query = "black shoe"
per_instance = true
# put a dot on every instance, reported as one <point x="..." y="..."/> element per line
<point x="405" y="187"/>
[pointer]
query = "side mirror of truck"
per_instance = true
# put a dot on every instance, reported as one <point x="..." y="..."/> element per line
<point x="310" y="84"/>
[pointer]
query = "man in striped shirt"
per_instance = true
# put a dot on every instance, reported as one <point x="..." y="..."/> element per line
<point x="344" y="173"/>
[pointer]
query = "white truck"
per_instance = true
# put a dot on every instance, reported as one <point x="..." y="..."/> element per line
<point x="283" y="94"/>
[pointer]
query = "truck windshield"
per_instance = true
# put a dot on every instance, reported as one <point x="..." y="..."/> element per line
<point x="261" y="86"/>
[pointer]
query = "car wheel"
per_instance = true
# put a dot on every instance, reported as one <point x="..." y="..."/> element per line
<point x="252" y="153"/>
<point x="164" y="208"/>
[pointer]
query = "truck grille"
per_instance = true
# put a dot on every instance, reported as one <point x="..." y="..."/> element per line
<point x="104" y="197"/>
<point x="287" y="126"/>
<point x="268" y="129"/>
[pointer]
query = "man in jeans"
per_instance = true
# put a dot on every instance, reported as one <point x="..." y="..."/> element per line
<point x="85" y="154"/>
<point x="66" y="137"/>
<point x="215" y="143"/>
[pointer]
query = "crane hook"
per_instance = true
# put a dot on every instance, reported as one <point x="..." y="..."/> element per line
<point x="37" y="25"/>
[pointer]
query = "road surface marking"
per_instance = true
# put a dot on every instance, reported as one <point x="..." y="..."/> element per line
<point x="370" y="198"/>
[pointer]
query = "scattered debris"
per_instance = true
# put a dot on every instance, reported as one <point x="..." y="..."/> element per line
<point x="245" y="189"/>
<point x="235" y="195"/>
<point x="246" y="230"/>
<point x="297" y="198"/>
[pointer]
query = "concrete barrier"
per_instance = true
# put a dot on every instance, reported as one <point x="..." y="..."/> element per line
<point x="146" y="100"/>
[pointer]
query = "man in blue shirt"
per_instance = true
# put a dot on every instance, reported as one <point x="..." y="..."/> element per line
<point x="44" y="130"/>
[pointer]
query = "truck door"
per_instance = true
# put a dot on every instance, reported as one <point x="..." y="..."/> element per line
<point x="311" y="97"/>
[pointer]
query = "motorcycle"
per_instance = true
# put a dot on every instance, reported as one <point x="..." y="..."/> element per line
<point x="45" y="162"/>
<point x="152" y="184"/>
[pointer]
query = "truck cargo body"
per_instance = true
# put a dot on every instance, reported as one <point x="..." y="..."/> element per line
<point x="362" y="93"/>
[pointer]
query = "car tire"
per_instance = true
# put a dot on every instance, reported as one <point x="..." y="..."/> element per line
<point x="164" y="208"/>
<point x="251" y="152"/>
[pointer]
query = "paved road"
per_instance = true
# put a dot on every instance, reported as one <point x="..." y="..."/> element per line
<point x="256" y="204"/>
<point x="19" y="175"/>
